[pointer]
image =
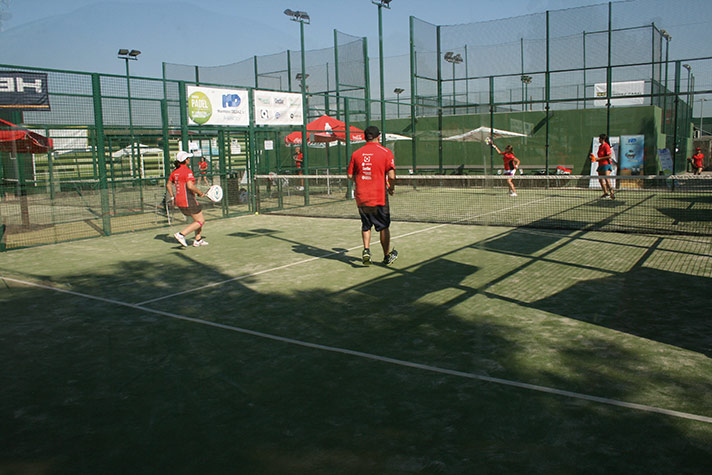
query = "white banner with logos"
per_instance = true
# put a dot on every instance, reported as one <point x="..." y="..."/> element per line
<point x="217" y="106"/>
<point x="618" y="92"/>
<point x="278" y="108"/>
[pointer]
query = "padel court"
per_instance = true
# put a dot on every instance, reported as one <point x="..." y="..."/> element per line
<point x="274" y="350"/>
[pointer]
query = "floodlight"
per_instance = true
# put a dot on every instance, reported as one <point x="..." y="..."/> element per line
<point x="687" y="66"/>
<point x="666" y="35"/>
<point x="382" y="3"/>
<point x="457" y="58"/>
<point x="297" y="15"/>
<point x="526" y="79"/>
<point x="398" y="90"/>
<point x="299" y="76"/>
<point x="123" y="51"/>
<point x="134" y="52"/>
<point x="448" y="55"/>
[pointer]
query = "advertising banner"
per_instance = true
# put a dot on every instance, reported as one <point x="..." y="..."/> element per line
<point x="665" y="159"/>
<point x="618" y="90"/>
<point x="615" y="142"/>
<point x="217" y="106"/>
<point x="23" y="91"/>
<point x="632" y="154"/>
<point x="278" y="108"/>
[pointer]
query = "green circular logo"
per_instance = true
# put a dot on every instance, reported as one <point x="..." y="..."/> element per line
<point x="199" y="108"/>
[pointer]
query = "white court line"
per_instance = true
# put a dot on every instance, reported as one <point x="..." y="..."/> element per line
<point x="234" y="279"/>
<point x="383" y="359"/>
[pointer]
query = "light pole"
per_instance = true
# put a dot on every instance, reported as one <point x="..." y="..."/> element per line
<point x="127" y="55"/>
<point x="526" y="80"/>
<point x="381" y="4"/>
<point x="453" y="58"/>
<point x="302" y="18"/>
<point x="667" y="37"/>
<point x="398" y="92"/>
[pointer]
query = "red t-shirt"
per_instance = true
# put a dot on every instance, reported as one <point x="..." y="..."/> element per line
<point x="369" y="166"/>
<point x="508" y="160"/>
<point x="697" y="160"/>
<point x="603" y="151"/>
<point x="299" y="159"/>
<point x="203" y="167"/>
<point x="180" y="177"/>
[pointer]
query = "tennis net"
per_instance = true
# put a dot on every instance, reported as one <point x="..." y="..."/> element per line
<point x="643" y="204"/>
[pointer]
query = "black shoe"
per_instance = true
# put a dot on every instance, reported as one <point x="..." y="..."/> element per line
<point x="366" y="257"/>
<point x="390" y="258"/>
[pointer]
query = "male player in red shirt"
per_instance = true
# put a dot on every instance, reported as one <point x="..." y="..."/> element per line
<point x="373" y="170"/>
<point x="185" y="190"/>
<point x="697" y="162"/>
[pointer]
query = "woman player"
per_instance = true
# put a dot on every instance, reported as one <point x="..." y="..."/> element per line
<point x="511" y="164"/>
<point x="185" y="190"/>
<point x="604" y="159"/>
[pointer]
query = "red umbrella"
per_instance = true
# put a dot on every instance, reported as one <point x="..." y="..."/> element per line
<point x="325" y="129"/>
<point x="16" y="139"/>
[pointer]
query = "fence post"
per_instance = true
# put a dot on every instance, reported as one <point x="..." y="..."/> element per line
<point x="101" y="153"/>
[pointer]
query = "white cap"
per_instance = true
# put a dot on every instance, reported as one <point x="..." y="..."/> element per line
<point x="182" y="156"/>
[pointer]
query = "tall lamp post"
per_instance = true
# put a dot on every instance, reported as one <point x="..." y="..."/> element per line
<point x="526" y="80"/>
<point x="702" y="114"/>
<point x="381" y="4"/>
<point x="127" y="56"/>
<point x="398" y="91"/>
<point x="453" y="58"/>
<point x="667" y="37"/>
<point x="302" y="18"/>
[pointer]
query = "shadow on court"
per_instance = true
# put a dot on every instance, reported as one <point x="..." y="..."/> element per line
<point x="96" y="386"/>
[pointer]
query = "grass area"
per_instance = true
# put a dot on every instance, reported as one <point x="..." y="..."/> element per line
<point x="274" y="350"/>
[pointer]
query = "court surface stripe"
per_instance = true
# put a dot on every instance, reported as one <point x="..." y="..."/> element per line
<point x="328" y="254"/>
<point x="384" y="359"/>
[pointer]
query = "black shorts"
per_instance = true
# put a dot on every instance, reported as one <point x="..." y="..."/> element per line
<point x="377" y="216"/>
<point x="192" y="208"/>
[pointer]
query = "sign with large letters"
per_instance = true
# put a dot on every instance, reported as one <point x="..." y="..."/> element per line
<point x="23" y="91"/>
<point x="619" y="93"/>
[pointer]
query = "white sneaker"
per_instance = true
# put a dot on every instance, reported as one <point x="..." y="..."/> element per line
<point x="300" y="188"/>
<point x="199" y="243"/>
<point x="181" y="239"/>
<point x="512" y="194"/>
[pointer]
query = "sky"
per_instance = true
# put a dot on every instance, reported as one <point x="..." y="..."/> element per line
<point x="85" y="35"/>
<point x="185" y="31"/>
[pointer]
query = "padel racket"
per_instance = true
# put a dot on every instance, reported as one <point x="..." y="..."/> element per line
<point x="488" y="140"/>
<point x="214" y="193"/>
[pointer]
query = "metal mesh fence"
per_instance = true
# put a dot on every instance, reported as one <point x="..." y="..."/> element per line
<point x="669" y="205"/>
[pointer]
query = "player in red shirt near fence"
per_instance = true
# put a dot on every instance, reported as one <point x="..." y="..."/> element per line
<point x="185" y="190"/>
<point x="697" y="162"/>
<point x="604" y="159"/>
<point x="373" y="170"/>
<point x="511" y="164"/>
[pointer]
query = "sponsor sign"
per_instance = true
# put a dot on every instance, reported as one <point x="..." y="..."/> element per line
<point x="23" y="91"/>
<point x="619" y="91"/>
<point x="632" y="154"/>
<point x="217" y="106"/>
<point x="665" y="161"/>
<point x="278" y="108"/>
